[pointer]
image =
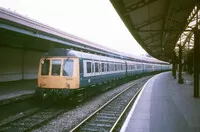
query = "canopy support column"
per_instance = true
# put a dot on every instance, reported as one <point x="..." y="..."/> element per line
<point x="174" y="66"/>
<point x="196" y="62"/>
<point x="180" y="79"/>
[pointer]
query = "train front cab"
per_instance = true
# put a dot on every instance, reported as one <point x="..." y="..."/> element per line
<point x="58" y="75"/>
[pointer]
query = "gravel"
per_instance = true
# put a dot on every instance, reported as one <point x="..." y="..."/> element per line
<point x="70" y="119"/>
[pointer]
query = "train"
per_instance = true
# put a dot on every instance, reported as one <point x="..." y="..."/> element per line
<point x="71" y="73"/>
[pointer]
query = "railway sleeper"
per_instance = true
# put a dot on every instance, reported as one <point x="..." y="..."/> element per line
<point x="98" y="124"/>
<point x="85" y="129"/>
<point x="107" y="114"/>
<point x="102" y="123"/>
<point x="113" y="107"/>
<point x="105" y="120"/>
<point x="111" y="111"/>
<point x="105" y="117"/>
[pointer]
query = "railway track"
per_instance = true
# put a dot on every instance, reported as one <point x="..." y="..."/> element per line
<point x="32" y="120"/>
<point x="106" y="118"/>
<point x="37" y="117"/>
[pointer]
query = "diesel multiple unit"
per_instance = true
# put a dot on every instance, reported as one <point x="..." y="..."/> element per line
<point x="63" y="71"/>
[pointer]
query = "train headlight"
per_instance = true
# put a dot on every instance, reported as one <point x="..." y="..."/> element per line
<point x="67" y="85"/>
<point x="42" y="84"/>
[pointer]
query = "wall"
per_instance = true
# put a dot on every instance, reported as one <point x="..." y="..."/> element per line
<point x="18" y="64"/>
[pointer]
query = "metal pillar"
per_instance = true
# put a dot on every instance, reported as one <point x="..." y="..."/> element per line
<point x="180" y="79"/>
<point x="196" y="52"/>
<point x="174" y="69"/>
<point x="196" y="62"/>
<point x="174" y="66"/>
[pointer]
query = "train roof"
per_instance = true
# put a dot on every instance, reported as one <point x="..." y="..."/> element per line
<point x="79" y="54"/>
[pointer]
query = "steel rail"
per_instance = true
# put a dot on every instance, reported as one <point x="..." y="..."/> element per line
<point x="106" y="104"/>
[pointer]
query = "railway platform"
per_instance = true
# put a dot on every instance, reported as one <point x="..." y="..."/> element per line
<point x="163" y="105"/>
<point x="16" y="90"/>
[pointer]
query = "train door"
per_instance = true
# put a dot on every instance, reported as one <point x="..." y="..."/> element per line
<point x="71" y="73"/>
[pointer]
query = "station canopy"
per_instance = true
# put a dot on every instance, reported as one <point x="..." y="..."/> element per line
<point x="157" y="25"/>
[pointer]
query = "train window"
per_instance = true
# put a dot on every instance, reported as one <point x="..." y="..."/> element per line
<point x="115" y="67"/>
<point x="92" y="67"/>
<point x="99" y="67"/>
<point x="89" y="64"/>
<point x="96" y="67"/>
<point x="148" y="66"/>
<point x="102" y="67"/>
<point x="138" y="67"/>
<point x="68" y="67"/>
<point x="45" y="67"/>
<point x="56" y="65"/>
<point x="105" y="67"/>
<point x="119" y="67"/>
<point x="108" y="67"/>
<point x="133" y="67"/>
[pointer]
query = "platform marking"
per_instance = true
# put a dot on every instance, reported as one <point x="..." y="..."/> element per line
<point x="134" y="105"/>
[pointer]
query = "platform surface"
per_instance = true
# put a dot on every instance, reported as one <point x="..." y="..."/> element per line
<point x="165" y="106"/>
<point x="17" y="88"/>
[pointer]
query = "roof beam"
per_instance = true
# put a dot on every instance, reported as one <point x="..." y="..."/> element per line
<point x="174" y="23"/>
<point x="151" y="36"/>
<point x="153" y="46"/>
<point x="148" y="22"/>
<point x="187" y="38"/>
<point x="165" y="30"/>
<point x="192" y="16"/>
<point x="153" y="40"/>
<point x="135" y="6"/>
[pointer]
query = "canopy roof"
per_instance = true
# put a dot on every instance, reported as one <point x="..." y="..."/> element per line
<point x="156" y="24"/>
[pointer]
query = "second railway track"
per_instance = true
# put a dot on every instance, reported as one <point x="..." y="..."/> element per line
<point x="33" y="120"/>
<point x="107" y="117"/>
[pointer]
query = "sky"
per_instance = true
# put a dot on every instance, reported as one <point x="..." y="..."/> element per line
<point x="93" y="20"/>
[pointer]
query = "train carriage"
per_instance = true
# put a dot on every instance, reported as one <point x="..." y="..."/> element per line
<point x="134" y="68"/>
<point x="63" y="72"/>
<point x="97" y="69"/>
